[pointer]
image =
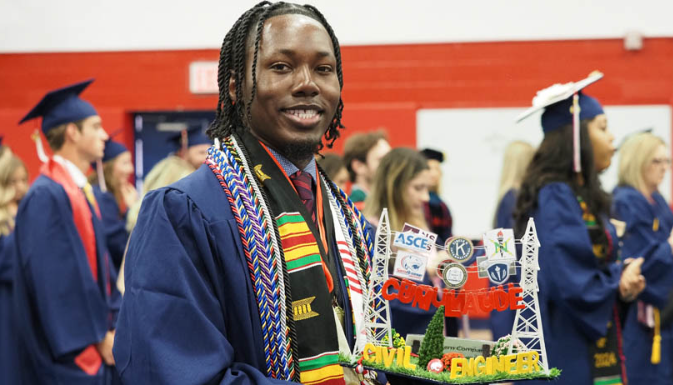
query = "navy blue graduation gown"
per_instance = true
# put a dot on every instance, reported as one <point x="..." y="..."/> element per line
<point x="114" y="223"/>
<point x="577" y="296"/>
<point x="501" y="322"/>
<point x="61" y="308"/>
<point x="189" y="314"/>
<point x="641" y="239"/>
<point x="8" y="343"/>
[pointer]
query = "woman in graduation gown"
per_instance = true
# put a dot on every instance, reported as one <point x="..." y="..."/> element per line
<point x="581" y="279"/>
<point x="10" y="165"/>
<point x="648" y="344"/>
<point x="115" y="194"/>
<point x="517" y="157"/>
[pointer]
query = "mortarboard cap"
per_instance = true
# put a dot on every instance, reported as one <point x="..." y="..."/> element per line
<point x="564" y="104"/>
<point x="433" y="154"/>
<point x="192" y="136"/>
<point x="112" y="150"/>
<point x="62" y="106"/>
<point x="557" y="102"/>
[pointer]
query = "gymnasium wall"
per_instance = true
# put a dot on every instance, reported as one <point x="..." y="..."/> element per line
<point x="385" y="85"/>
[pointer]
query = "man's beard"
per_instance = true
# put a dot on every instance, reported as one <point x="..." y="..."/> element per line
<point x="300" y="151"/>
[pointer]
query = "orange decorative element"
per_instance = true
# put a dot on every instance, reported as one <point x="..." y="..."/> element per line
<point x="447" y="357"/>
<point x="89" y="360"/>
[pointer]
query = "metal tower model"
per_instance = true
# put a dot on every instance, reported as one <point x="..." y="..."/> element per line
<point x="528" y="323"/>
<point x="377" y="311"/>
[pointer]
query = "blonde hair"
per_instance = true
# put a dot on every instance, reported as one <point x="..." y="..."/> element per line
<point x="394" y="173"/>
<point x="9" y="163"/>
<point x="167" y="171"/>
<point x="634" y="155"/>
<point x="518" y="155"/>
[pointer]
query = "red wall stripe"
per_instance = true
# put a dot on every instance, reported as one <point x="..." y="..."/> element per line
<point x="384" y="85"/>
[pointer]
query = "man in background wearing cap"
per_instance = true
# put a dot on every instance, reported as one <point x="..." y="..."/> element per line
<point x="63" y="282"/>
<point x="193" y="145"/>
<point x="437" y="213"/>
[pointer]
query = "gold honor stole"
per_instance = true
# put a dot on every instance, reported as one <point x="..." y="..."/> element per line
<point x="302" y="253"/>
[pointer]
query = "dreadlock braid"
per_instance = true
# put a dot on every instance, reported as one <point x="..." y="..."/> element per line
<point x="232" y="116"/>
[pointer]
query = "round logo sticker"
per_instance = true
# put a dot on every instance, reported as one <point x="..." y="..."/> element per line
<point x="459" y="248"/>
<point x="455" y="275"/>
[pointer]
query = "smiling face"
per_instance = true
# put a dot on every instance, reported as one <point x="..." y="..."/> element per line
<point x="297" y="90"/>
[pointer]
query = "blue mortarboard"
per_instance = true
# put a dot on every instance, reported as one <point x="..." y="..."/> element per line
<point x="560" y="114"/>
<point x="62" y="106"/>
<point x="558" y="102"/>
<point x="112" y="150"/>
<point x="194" y="135"/>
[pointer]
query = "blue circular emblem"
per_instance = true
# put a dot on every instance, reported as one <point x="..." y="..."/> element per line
<point x="460" y="248"/>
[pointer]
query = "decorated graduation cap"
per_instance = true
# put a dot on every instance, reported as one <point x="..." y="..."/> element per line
<point x="61" y="106"/>
<point x="564" y="104"/>
<point x="431" y="154"/>
<point x="192" y="136"/>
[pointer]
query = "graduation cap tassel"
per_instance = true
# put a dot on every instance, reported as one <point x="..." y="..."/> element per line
<point x="656" y="342"/>
<point x="577" y="165"/>
<point x="101" y="176"/>
<point x="38" y="146"/>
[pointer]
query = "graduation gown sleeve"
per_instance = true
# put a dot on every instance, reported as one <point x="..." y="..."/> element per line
<point x="65" y="298"/>
<point x="187" y="315"/>
<point x="570" y="274"/>
<point x="640" y="240"/>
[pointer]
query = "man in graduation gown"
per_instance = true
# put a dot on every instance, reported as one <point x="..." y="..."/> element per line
<point x="252" y="268"/>
<point x="65" y="300"/>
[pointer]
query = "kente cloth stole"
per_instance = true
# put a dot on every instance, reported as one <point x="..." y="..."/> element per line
<point x="606" y="355"/>
<point x="284" y="256"/>
<point x="89" y="360"/>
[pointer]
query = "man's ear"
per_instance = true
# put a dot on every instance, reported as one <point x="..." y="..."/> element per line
<point x="232" y="87"/>
<point x="72" y="132"/>
<point x="357" y="166"/>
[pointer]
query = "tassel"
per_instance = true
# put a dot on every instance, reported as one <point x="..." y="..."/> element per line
<point x="38" y="145"/>
<point x="656" y="342"/>
<point x="577" y="164"/>
<point x="101" y="176"/>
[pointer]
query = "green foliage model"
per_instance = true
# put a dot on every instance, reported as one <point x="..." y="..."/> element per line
<point x="433" y="341"/>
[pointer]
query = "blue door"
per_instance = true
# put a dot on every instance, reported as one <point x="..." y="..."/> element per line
<point x="153" y="131"/>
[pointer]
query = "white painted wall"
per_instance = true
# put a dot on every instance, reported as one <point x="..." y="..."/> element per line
<point x="99" y="25"/>
<point x="474" y="141"/>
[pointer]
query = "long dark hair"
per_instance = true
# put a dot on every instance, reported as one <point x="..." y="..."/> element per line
<point x="231" y="116"/>
<point x="553" y="162"/>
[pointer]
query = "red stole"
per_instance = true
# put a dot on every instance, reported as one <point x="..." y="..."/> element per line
<point x="89" y="360"/>
<point x="80" y="210"/>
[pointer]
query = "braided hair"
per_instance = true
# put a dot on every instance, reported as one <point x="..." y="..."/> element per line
<point x="231" y="116"/>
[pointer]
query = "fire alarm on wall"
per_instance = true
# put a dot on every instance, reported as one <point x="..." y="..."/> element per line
<point x="633" y="41"/>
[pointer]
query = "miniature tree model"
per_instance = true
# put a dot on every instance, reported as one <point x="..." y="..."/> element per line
<point x="433" y="341"/>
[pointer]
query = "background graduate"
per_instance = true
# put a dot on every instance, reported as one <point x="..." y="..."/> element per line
<point x="644" y="159"/>
<point x="252" y="268"/>
<point x="13" y="186"/>
<point x="114" y="194"/>
<point x="65" y="299"/>
<point x="581" y="279"/>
